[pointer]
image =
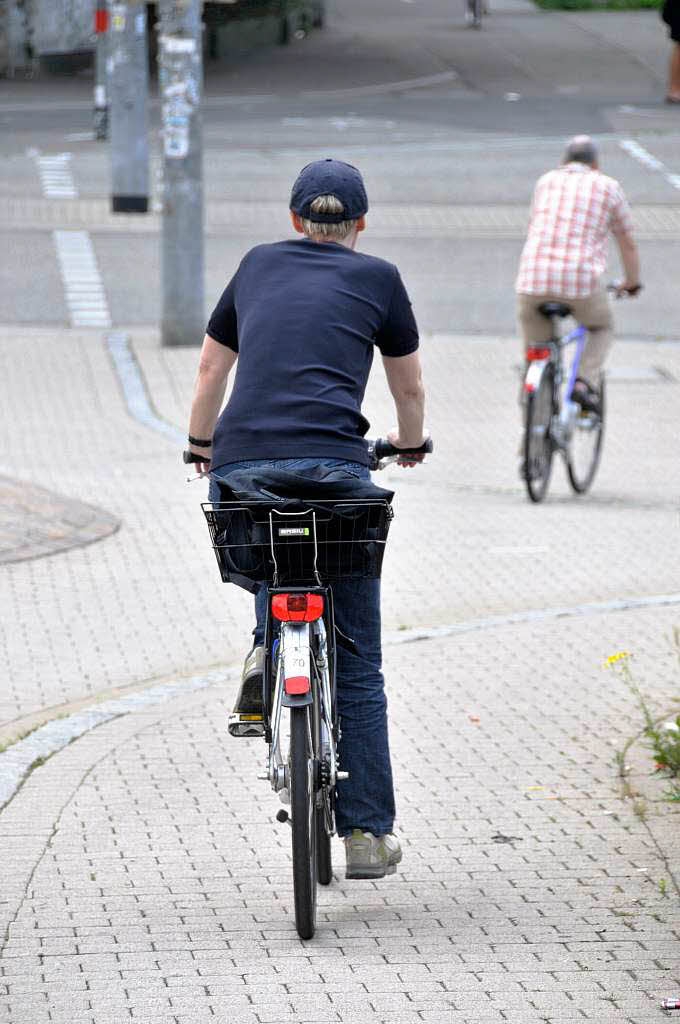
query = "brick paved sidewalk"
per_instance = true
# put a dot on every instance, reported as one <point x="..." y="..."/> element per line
<point x="145" y="878"/>
<point x="125" y="610"/>
<point x="149" y="881"/>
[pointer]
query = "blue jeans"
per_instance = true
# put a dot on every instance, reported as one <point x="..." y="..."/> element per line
<point x="366" y="799"/>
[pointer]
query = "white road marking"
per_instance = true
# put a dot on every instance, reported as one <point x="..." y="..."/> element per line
<point x="648" y="160"/>
<point x="83" y="287"/>
<point x="525" y="549"/>
<point x="56" y="177"/>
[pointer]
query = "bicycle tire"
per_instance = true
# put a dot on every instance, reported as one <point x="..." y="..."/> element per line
<point x="324" y="860"/>
<point x="304" y="824"/>
<point x="581" y="477"/>
<point x="538" y="446"/>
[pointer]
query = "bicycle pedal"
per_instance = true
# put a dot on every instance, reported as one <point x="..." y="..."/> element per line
<point x="243" y="725"/>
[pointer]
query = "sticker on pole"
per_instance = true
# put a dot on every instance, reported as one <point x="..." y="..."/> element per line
<point x="118" y="17"/>
<point x="176" y="114"/>
<point x="176" y="129"/>
<point x="176" y="44"/>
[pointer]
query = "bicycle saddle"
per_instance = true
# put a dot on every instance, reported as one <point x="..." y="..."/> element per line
<point x="554" y="309"/>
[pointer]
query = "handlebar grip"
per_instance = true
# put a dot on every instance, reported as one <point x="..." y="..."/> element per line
<point x="188" y="458"/>
<point x="383" y="448"/>
<point x="619" y="291"/>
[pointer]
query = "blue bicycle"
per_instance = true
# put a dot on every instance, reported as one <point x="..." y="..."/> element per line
<point x="553" y="421"/>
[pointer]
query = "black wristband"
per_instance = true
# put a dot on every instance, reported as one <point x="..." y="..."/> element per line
<point x="199" y="442"/>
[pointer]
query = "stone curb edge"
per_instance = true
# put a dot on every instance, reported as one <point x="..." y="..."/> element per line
<point x="17" y="760"/>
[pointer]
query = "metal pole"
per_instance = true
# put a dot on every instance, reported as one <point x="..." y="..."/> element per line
<point x="129" y="86"/>
<point x="101" y="103"/>
<point x="180" y="82"/>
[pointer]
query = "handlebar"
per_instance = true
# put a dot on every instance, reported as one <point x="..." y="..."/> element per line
<point x="620" y="291"/>
<point x="381" y="452"/>
<point x="188" y="458"/>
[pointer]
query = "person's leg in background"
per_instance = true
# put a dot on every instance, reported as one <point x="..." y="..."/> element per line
<point x="534" y="327"/>
<point x="595" y="313"/>
<point x="673" y="93"/>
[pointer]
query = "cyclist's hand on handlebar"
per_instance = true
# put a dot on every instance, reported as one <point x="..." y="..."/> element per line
<point x="410" y="460"/>
<point x="199" y="459"/>
<point x="621" y="288"/>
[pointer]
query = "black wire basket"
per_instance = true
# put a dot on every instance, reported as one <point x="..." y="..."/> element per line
<point x="293" y="543"/>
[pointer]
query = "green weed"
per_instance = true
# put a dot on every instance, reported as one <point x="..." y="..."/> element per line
<point x="663" y="737"/>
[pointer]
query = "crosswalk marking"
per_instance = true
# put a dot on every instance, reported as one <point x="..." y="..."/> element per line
<point x="56" y="177"/>
<point x="83" y="288"/>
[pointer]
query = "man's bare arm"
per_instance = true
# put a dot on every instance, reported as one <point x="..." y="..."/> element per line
<point x="405" y="381"/>
<point x="214" y="365"/>
<point x="629" y="258"/>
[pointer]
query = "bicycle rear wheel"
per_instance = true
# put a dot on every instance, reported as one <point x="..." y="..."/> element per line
<point x="302" y="770"/>
<point x="585" y="447"/>
<point x="538" y="445"/>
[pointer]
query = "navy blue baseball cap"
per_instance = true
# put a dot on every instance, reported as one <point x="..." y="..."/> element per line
<point x="329" y="178"/>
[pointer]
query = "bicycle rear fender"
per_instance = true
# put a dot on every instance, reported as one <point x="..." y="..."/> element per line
<point x="533" y="375"/>
<point x="295" y="659"/>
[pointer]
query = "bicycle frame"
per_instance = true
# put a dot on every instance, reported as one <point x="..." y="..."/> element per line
<point x="566" y="410"/>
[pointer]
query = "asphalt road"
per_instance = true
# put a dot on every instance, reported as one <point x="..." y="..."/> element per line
<point x="435" y="114"/>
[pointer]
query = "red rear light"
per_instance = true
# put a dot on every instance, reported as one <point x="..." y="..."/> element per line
<point x="297" y="685"/>
<point x="537" y="353"/>
<point x="297" y="607"/>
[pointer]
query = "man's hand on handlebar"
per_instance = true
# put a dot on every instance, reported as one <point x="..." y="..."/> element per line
<point x="621" y="288"/>
<point x="410" y="460"/>
<point x="384" y="450"/>
<point x="201" y="460"/>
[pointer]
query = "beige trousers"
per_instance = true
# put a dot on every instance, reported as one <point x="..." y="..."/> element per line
<point x="594" y="312"/>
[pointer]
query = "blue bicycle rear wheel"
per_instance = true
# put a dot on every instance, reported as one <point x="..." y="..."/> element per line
<point x="538" y="443"/>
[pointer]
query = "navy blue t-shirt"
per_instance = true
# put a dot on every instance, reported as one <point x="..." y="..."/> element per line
<point x="304" y="318"/>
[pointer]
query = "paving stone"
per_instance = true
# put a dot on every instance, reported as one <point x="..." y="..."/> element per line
<point x="143" y="863"/>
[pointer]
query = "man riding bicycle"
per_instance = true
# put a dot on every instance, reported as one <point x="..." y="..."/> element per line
<point x="574" y="208"/>
<point x="303" y="317"/>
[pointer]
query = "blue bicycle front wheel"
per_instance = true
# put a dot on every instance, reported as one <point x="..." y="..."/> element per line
<point x="585" y="447"/>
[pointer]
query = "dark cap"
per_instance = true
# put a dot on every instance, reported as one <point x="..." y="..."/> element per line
<point x="329" y="178"/>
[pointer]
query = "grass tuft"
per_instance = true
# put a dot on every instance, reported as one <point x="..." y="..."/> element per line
<point x="663" y="737"/>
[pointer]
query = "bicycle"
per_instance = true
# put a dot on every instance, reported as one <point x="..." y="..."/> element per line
<point x="553" y="422"/>
<point x="298" y="548"/>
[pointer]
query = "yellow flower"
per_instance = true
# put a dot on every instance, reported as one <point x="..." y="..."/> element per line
<point x="614" y="658"/>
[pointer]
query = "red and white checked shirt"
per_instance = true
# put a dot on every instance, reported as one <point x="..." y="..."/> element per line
<point x="573" y="210"/>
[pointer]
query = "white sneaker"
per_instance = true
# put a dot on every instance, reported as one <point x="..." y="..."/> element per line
<point x="370" y="856"/>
